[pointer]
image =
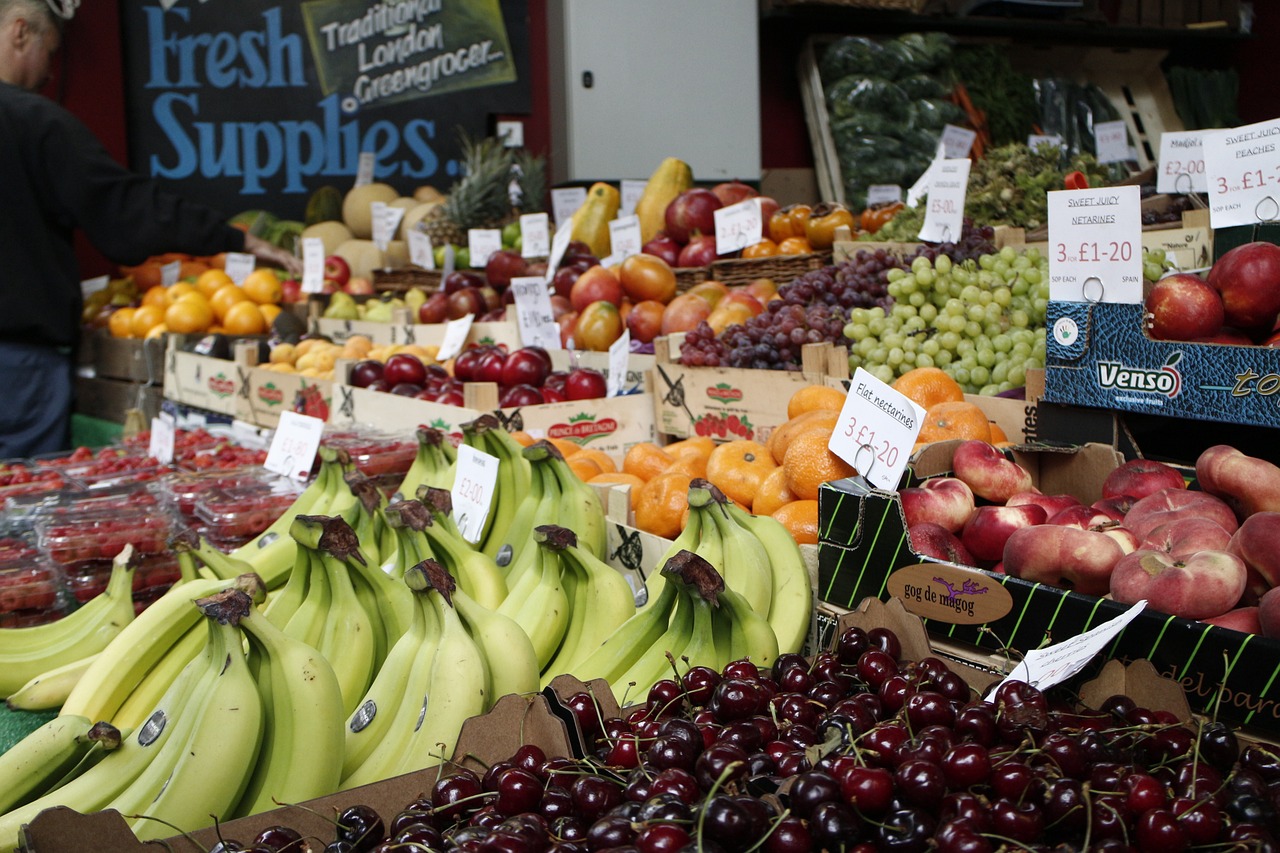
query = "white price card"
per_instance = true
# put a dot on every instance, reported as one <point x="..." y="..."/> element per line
<point x="1035" y="140"/>
<point x="619" y="354"/>
<point x="386" y="222"/>
<point x="624" y="237"/>
<point x="1181" y="168"/>
<point x="482" y="243"/>
<point x="1095" y="245"/>
<point x="294" y="445"/>
<point x="1111" y="139"/>
<point x="883" y="194"/>
<point x="450" y="260"/>
<point x="312" y="265"/>
<point x="1043" y="668"/>
<point x="533" y="312"/>
<point x="472" y="491"/>
<point x="1243" y="172"/>
<point x="921" y="186"/>
<point x="630" y="193"/>
<point x="876" y="431"/>
<point x="421" y="252"/>
<point x="364" y="168"/>
<point x="535" y="235"/>
<point x="944" y="214"/>
<point x="169" y="273"/>
<point x="160" y="447"/>
<point x="738" y="226"/>
<point x="558" y="247"/>
<point x="455" y="337"/>
<point x="565" y="203"/>
<point x="957" y="142"/>
<point x="239" y="265"/>
<point x="93" y="285"/>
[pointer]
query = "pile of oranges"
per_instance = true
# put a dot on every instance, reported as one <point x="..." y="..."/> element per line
<point x="947" y="414"/>
<point x="209" y="302"/>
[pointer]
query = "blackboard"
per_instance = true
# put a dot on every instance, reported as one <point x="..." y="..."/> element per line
<point x="243" y="104"/>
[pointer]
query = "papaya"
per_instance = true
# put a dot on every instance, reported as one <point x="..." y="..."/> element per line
<point x="591" y="220"/>
<point x="324" y="205"/>
<point x="672" y="177"/>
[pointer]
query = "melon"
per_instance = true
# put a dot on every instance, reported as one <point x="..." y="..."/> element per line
<point x="414" y="215"/>
<point x="357" y="210"/>
<point x="426" y="193"/>
<point x="332" y="233"/>
<point x="363" y="256"/>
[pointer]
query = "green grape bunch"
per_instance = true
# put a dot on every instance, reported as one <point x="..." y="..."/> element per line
<point x="982" y="322"/>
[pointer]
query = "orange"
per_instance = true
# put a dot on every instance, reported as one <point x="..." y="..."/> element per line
<point x="159" y="330"/>
<point x="567" y="448"/>
<point x="661" y="504"/>
<point x="801" y="520"/>
<point x="809" y="464"/>
<point x="617" y="478"/>
<point x="244" y="318"/>
<point x="584" y="466"/>
<point x="926" y="386"/>
<point x="954" y="420"/>
<point x="998" y="436"/>
<point x="188" y="316"/>
<point x="146" y="275"/>
<point x="739" y="467"/>
<point x="158" y="296"/>
<point x="192" y="269"/>
<point x="222" y="301"/>
<point x="270" y="312"/>
<point x="144" y="318"/>
<point x="646" y="460"/>
<point x="263" y="286"/>
<point x="522" y="438"/>
<point x="181" y="289"/>
<point x="211" y="281"/>
<point x="700" y="445"/>
<point x="781" y="437"/>
<point x="794" y="246"/>
<point x="689" y="463"/>
<point x="604" y="460"/>
<point x="815" y="398"/>
<point x="773" y="493"/>
<point x="120" y="323"/>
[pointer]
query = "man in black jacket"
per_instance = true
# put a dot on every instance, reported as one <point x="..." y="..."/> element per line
<point x="55" y="177"/>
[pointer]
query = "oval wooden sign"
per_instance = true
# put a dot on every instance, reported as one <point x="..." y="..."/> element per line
<point x="950" y="593"/>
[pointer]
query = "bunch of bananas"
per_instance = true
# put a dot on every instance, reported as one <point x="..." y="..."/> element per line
<point x="435" y="464"/>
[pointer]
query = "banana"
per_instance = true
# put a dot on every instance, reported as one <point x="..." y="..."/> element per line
<point x="308" y="621"/>
<point x="633" y="638"/>
<point x="362" y="514"/>
<point x="686" y="541"/>
<point x="580" y="509"/>
<point x="475" y="571"/>
<point x="751" y="635"/>
<point x="514" y="480"/>
<point x="538" y="604"/>
<point x="302" y="743"/>
<point x="653" y="665"/>
<point x="144" y="698"/>
<point x="510" y="660"/>
<point x="218" y="757"/>
<point x="435" y="464"/>
<point x="746" y="568"/>
<point x="49" y="689"/>
<point x="38" y="762"/>
<point x="539" y="506"/>
<point x="388" y="602"/>
<point x="791" y="604"/>
<point x="26" y="653"/>
<point x="221" y="565"/>
<point x="286" y="600"/>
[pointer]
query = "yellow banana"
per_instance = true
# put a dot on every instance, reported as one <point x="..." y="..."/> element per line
<point x="514" y="479"/>
<point x="745" y="567"/>
<point x="38" y="762"/>
<point x="541" y="608"/>
<point x="791" y="604"/>
<point x="475" y="571"/>
<point x="653" y="664"/>
<point x="434" y="465"/>
<point x="49" y="689"/>
<point x="144" y="698"/>
<point x="510" y="660"/>
<point x="580" y="508"/>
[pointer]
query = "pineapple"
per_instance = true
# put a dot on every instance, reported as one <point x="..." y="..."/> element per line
<point x="480" y="199"/>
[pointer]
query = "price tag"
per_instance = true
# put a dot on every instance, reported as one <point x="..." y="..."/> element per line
<point x="738" y="226"/>
<point x="1181" y="167"/>
<point x="1043" y="668"/>
<point x="1112" y="141"/>
<point x="883" y="194"/>
<point x="481" y="243"/>
<point x="558" y="247"/>
<point x="239" y="265"/>
<point x="312" y="265"/>
<point x="619" y="352"/>
<point x="162" y="437"/>
<point x="93" y="285"/>
<point x="876" y="431"/>
<point x="944" y="217"/>
<point x="535" y="235"/>
<point x="472" y="491"/>
<point x="364" y="168"/>
<point x="294" y="445"/>
<point x="630" y="192"/>
<point x="450" y="260"/>
<point x="386" y="222"/>
<point x="421" y="252"/>
<point x="624" y="237"/>
<point x="1243" y="178"/>
<point x="169" y="273"/>
<point x="533" y="312"/>
<point x="455" y="336"/>
<point x="565" y="203"/>
<point x="921" y="186"/>
<point x="1095" y="242"/>
<point x="1035" y="140"/>
<point x="957" y="141"/>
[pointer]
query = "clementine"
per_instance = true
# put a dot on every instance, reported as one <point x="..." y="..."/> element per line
<point x="809" y="464"/>
<point x="739" y="467"/>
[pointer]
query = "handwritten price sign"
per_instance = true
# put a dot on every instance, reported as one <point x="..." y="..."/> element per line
<point x="472" y="491"/>
<point x="876" y="431"/>
<point x="1181" y="163"/>
<point x="1095" y="239"/>
<point x="738" y="226"/>
<point x="944" y="217"/>
<point x="294" y="445"/>
<point x="1243" y="178"/>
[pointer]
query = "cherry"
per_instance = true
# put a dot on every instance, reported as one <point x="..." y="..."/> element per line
<point x="1142" y="793"/>
<point x="639" y="786"/>
<point x="518" y="791"/>
<point x="671" y="751"/>
<point x="610" y="831"/>
<point x="1252" y="837"/>
<point x="1065" y="752"/>
<point x="565" y="828"/>
<point x="727" y="822"/>
<point x="743" y="734"/>
<point x="1064" y="805"/>
<point x="828" y="692"/>
<point x="868" y="789"/>
<point x="791" y="763"/>
<point x="852" y="643"/>
<point x="885" y="640"/>
<point x="360" y="826"/>
<point x="1202" y="820"/>
<point x="884" y="742"/>
<point x="1021" y="821"/>
<point x="968" y="806"/>
<point x="532" y="758"/>
<point x="661" y="838"/>
<point x="716" y="759"/>
<point x="679" y="783"/>
<point x="929" y="708"/>
<point x="875" y="666"/>
<point x="698" y="683"/>
<point x="667" y="808"/>
<point x="487" y="817"/>
<point x="420" y="834"/>
<point x="734" y="699"/>
<point x="790" y="835"/>
<point x="489" y="781"/>
<point x="1107" y="819"/>
<point x="281" y="839"/>
<point x="1158" y="829"/>
<point x="796" y="709"/>
<point x="959" y="836"/>
<point x="556" y="802"/>
<point x="921" y="783"/>
<point x="904" y="830"/>
<point x="966" y="765"/>
<point x="665" y="698"/>
<point x="595" y="795"/>
<point x="894" y="691"/>
<point x="1263" y="761"/>
<point x="402" y="821"/>
<point x="810" y="789"/>
<point x="1118" y="706"/>
<point x="976" y="723"/>
<point x="743" y="669"/>
<point x="1012" y="780"/>
<point x="625" y="752"/>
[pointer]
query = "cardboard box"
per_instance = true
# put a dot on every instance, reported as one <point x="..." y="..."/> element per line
<point x="864" y="552"/>
<point x="130" y="359"/>
<point x="212" y="384"/>
<point x="415" y="333"/>
<point x="112" y="399"/>
<point x="264" y="394"/>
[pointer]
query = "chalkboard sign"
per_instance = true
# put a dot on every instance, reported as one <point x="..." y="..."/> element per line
<point x="245" y="105"/>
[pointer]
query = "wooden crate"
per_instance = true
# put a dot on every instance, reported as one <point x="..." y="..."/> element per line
<point x="131" y="359"/>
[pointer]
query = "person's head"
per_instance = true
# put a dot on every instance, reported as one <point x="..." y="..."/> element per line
<point x="30" y="33"/>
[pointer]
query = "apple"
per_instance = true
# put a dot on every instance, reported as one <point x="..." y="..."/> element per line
<point x="521" y="395"/>
<point x="585" y="383"/>
<point x="698" y="252"/>
<point x="562" y="281"/>
<point x="991" y="474"/>
<point x="291" y="290"/>
<point x="525" y="366"/>
<point x="1246" y="483"/>
<point x="337" y="270"/>
<point x="435" y="309"/>
<point x="644" y="320"/>
<point x="468" y="300"/>
<point x="459" y="279"/>
<point x="1257" y="543"/>
<point x="1138" y="478"/>
<point x="597" y="284"/>
<point x="431" y="395"/>
<point x="944" y="501"/>
<point x="1052" y="504"/>
<point x="451" y="398"/>
<point x="1064" y="557"/>
<point x="365" y="372"/>
<point x="732" y="192"/>
<point x="1186" y="536"/>
<point x="684" y="312"/>
<point x="555" y="381"/>
<point x="406" y="389"/>
<point x="559" y="305"/>
<point x="358" y="285"/>
<point x="1203" y="584"/>
<point x="378" y="385"/>
<point x="989" y="527"/>
<point x="504" y="265"/>
<point x="489" y="367"/>
<point x="931" y="540"/>
<point x="491" y="297"/>
<point x="1246" y="277"/>
<point x="403" y="368"/>
<point x="692" y="212"/>
<point x="1243" y="619"/>
<point x="464" y="365"/>
<point x="1183" y="307"/>
<point x="662" y="246"/>
<point x="1173" y="504"/>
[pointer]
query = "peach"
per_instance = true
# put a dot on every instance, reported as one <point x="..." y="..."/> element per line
<point x="1081" y="517"/>
<point x="1064" y="557"/>
<point x="1185" y="536"/>
<point x="1244" y="619"/>
<point x="988" y="472"/>
<point x="1171" y="504"/>
<point x="933" y="540"/>
<point x="1247" y="484"/>
<point x="1257" y="543"/>
<point x="1269" y="613"/>
<point x="1117" y="507"/>
<point x="1052" y="504"/>
<point x="1204" y="584"/>
<point x="989" y="527"/>
<point x="945" y="501"/>
<point x="1138" y="478"/>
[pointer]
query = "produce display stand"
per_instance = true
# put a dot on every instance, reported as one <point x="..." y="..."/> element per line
<point x="405" y="333"/>
<point x="201" y="381"/>
<point x="265" y="393"/>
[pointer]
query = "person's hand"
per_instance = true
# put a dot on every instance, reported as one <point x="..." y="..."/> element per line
<point x="271" y="254"/>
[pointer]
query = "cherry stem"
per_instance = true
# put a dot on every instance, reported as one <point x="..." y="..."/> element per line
<point x="773" y="827"/>
<point x="731" y="767"/>
<point x="217" y="830"/>
<point x="1011" y="841"/>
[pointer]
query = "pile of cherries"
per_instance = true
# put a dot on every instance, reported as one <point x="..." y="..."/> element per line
<point x="855" y="750"/>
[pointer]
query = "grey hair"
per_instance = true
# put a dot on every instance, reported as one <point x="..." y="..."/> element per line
<point x="38" y="13"/>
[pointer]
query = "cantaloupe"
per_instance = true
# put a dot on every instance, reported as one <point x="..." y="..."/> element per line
<point x="426" y="193"/>
<point x="363" y="256"/>
<point x="333" y="233"/>
<point x="357" y="210"/>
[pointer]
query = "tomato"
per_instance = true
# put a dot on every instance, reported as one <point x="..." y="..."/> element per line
<point x="875" y="218"/>
<point x="788" y="222"/>
<point x="794" y="246"/>
<point x="598" y="326"/>
<point x="763" y="249"/>
<point x="820" y="228"/>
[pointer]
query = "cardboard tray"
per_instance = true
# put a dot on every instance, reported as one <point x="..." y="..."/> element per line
<point x="212" y="384"/>
<point x="338" y="331"/>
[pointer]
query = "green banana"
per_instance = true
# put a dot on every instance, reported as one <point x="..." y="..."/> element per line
<point x="434" y="465"/>
<point x="630" y="641"/>
<point x="686" y="541"/>
<point x="475" y="571"/>
<point x="653" y="665"/>
<point x="308" y="621"/>
<point x="538" y="603"/>
<point x="49" y="689"/>
<point x="751" y="635"/>
<point x="791" y="603"/>
<point x="37" y="763"/>
<point x="285" y="601"/>
<point x="745" y="566"/>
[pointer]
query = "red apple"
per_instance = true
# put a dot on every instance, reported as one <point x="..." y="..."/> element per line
<point x="525" y="366"/>
<point x="1052" y="504"/>
<point x="1138" y="478"/>
<point x="931" y="540"/>
<point x="503" y="266"/>
<point x="1247" y="484"/>
<point x="435" y="309"/>
<point x="460" y="279"/>
<point x="521" y="395"/>
<point x="1173" y="504"/>
<point x="989" y="527"/>
<point x="337" y="270"/>
<point x="662" y="246"/>
<point x="584" y="383"/>
<point x="699" y="252"/>
<point x="732" y="192"/>
<point x="1204" y="584"/>
<point x="291" y="290"/>
<point x="490" y="365"/>
<point x="1257" y="543"/>
<point x="464" y="366"/>
<point x="358" y="285"/>
<point x="944" y="501"/>
<point x="1183" y="307"/>
<point x="365" y="372"/>
<point x="1248" y="277"/>
<point x="692" y="212"/>
<point x="1064" y="557"/>
<point x="1243" y="619"/>
<point x="1185" y="536"/>
<point x="404" y="368"/>
<point x="559" y="305"/>
<point x="991" y="475"/>
<point x="468" y="300"/>
<point x="644" y="320"/>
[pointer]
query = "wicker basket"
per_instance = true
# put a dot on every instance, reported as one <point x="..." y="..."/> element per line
<point x="687" y="277"/>
<point x="406" y="278"/>
<point x="781" y="268"/>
